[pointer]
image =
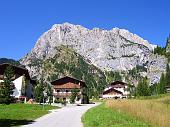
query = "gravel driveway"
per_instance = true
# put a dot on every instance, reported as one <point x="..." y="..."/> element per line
<point x="69" y="116"/>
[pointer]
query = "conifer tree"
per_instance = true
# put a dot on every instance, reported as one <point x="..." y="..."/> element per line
<point x="39" y="95"/>
<point x="161" y="85"/>
<point x="117" y="76"/>
<point x="168" y="41"/>
<point x="7" y="88"/>
<point x="143" y="88"/>
<point x="49" y="94"/>
<point x="167" y="77"/>
<point x="131" y="90"/>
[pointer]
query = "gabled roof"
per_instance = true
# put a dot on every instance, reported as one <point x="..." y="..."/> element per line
<point x="67" y="86"/>
<point x="67" y="79"/>
<point x="112" y="89"/>
<point x="17" y="70"/>
<point x="118" y="82"/>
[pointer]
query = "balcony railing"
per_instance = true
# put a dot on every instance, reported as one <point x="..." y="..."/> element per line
<point x="62" y="94"/>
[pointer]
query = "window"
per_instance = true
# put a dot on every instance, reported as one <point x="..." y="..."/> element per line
<point x="57" y="91"/>
<point x="67" y="91"/>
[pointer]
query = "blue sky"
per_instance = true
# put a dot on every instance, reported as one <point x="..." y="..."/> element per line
<point x="23" y="21"/>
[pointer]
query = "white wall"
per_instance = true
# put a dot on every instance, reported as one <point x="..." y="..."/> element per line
<point x="123" y="90"/>
<point x="112" y="96"/>
<point x="1" y="81"/>
<point x="18" y="84"/>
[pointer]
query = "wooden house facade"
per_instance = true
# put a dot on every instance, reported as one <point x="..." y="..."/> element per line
<point x="62" y="89"/>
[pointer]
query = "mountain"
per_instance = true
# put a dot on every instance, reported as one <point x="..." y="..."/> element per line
<point x="66" y="62"/>
<point x="108" y="50"/>
<point x="11" y="61"/>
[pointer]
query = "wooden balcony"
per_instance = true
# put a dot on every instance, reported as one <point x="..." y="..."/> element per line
<point x="62" y="94"/>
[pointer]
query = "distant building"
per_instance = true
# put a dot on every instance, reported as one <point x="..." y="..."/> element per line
<point x="112" y="93"/>
<point x="168" y="89"/>
<point x="21" y="80"/>
<point x="116" y="89"/>
<point x="63" y="87"/>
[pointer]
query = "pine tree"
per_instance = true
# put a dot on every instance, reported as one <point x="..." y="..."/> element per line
<point x="161" y="85"/>
<point x="117" y="76"/>
<point x="39" y="96"/>
<point x="131" y="90"/>
<point x="50" y="94"/>
<point x="168" y="41"/>
<point x="7" y="88"/>
<point x="167" y="77"/>
<point x="23" y="87"/>
<point x="153" y="89"/>
<point x="143" y="88"/>
<point x="84" y="96"/>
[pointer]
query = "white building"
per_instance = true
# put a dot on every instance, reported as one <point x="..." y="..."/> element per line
<point x="21" y="80"/>
<point x="116" y="89"/>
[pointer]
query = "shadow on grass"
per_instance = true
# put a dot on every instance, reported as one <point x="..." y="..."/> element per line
<point x="13" y="123"/>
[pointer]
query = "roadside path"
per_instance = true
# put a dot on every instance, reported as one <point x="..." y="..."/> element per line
<point x="69" y="116"/>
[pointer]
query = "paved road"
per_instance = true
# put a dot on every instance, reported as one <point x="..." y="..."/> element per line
<point x="69" y="116"/>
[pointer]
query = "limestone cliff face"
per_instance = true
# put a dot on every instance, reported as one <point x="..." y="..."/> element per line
<point x="109" y="50"/>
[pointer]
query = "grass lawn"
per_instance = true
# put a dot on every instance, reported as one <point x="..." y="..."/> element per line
<point x="103" y="116"/>
<point x="144" y="112"/>
<point x="20" y="114"/>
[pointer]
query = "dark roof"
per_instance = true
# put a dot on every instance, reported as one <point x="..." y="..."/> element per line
<point x="67" y="86"/>
<point x="118" y="86"/>
<point x="17" y="70"/>
<point x="112" y="89"/>
<point x="118" y="82"/>
<point x="67" y="79"/>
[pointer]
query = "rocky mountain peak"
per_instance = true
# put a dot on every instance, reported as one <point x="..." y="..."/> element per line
<point x="116" y="49"/>
<point x="68" y="27"/>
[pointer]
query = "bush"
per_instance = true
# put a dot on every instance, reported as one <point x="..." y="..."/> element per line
<point x="58" y="100"/>
<point x="74" y="94"/>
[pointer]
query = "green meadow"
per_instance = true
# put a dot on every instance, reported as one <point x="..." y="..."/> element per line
<point x="143" y="112"/>
<point x="21" y="114"/>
